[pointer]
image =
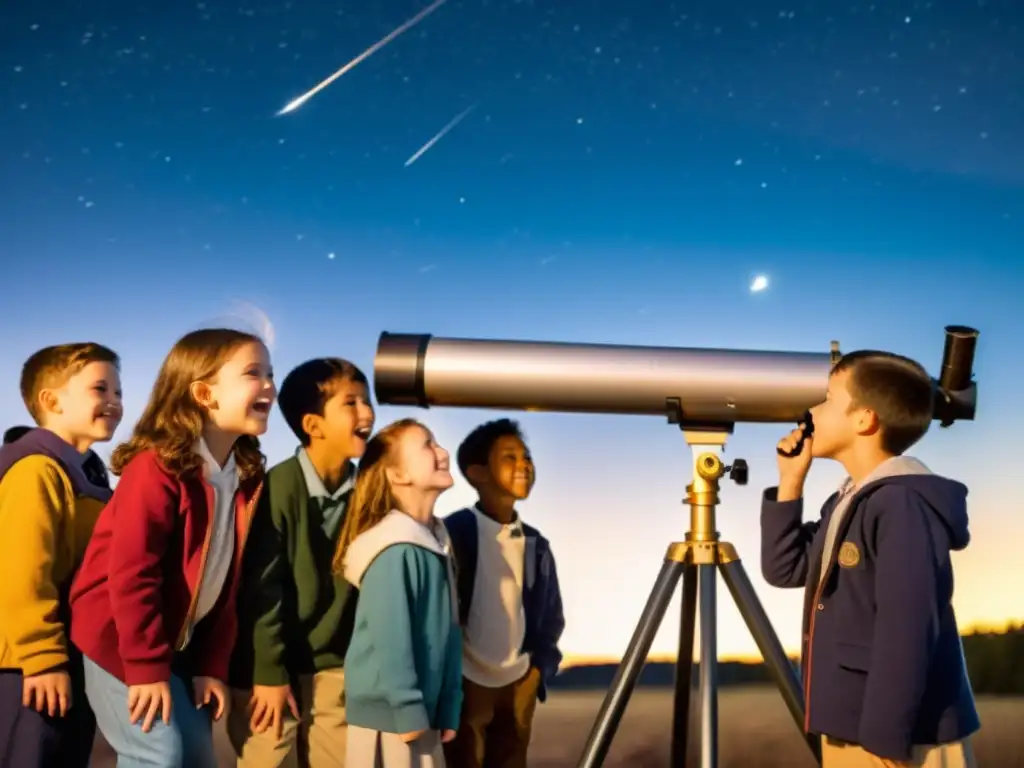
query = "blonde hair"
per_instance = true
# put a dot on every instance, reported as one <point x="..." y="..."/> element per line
<point x="51" y="367"/>
<point x="372" y="497"/>
<point x="173" y="421"/>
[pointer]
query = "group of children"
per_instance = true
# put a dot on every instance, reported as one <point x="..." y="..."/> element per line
<point x="324" y="610"/>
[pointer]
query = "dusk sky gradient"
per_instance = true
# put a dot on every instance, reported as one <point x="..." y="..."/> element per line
<point x="628" y="169"/>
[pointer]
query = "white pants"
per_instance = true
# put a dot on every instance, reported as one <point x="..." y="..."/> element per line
<point x="375" y="749"/>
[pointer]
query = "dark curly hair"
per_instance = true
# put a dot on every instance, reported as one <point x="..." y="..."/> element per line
<point x="475" y="450"/>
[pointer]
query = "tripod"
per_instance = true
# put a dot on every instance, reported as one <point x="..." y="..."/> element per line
<point x="697" y="561"/>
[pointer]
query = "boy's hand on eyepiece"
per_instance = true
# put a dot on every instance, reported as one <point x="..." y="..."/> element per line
<point x="410" y="737"/>
<point x="793" y="469"/>
<point x="267" y="707"/>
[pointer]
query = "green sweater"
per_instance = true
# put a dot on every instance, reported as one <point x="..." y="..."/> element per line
<point x="295" y="616"/>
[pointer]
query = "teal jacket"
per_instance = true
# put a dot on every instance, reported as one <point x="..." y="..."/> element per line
<point x="403" y="670"/>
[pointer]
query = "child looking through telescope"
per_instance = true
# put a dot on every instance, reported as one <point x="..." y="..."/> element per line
<point x="885" y="682"/>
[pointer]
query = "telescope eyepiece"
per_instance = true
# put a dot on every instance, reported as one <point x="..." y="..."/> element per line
<point x="958" y="358"/>
<point x="957" y="395"/>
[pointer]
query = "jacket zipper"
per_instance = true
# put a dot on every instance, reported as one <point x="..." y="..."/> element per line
<point x="815" y="603"/>
<point x="810" y="661"/>
<point x="184" y="634"/>
<point x="250" y="507"/>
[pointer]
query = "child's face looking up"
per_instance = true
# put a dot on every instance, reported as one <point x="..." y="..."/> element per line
<point x="239" y="398"/>
<point x="420" y="463"/>
<point x="511" y="467"/>
<point x="347" y="421"/>
<point x="837" y="421"/>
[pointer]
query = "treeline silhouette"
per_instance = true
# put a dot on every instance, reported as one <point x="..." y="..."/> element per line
<point x="995" y="663"/>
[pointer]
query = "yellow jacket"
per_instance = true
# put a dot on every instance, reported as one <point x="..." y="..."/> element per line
<point x="44" y="530"/>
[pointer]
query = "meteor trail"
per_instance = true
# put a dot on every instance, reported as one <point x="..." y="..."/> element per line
<point x="439" y="135"/>
<point x="294" y="104"/>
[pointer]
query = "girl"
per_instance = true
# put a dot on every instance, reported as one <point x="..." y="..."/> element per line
<point x="403" y="669"/>
<point x="153" y="602"/>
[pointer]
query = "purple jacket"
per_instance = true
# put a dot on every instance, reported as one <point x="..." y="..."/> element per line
<point x="42" y="441"/>
<point x="882" y="660"/>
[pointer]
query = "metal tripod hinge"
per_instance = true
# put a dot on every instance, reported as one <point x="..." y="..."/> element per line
<point x="696" y="562"/>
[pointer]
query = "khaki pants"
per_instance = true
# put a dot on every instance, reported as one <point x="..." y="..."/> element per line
<point x="837" y="754"/>
<point x="496" y="724"/>
<point x="374" y="749"/>
<point x="316" y="741"/>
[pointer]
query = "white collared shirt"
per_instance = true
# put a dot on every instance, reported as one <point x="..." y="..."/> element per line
<point x="332" y="505"/>
<point x="221" y="552"/>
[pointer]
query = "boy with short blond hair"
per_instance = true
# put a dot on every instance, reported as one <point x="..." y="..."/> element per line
<point x="296" y="618"/>
<point x="884" y="674"/>
<point x="510" y="604"/>
<point x="48" y="508"/>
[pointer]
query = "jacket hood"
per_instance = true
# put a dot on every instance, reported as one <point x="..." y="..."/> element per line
<point x="44" y="442"/>
<point x="395" y="528"/>
<point x="946" y="498"/>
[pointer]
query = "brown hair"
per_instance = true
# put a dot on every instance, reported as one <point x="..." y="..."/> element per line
<point x="307" y="388"/>
<point x="173" y="421"/>
<point x="51" y="367"/>
<point x="898" y="390"/>
<point x="372" y="497"/>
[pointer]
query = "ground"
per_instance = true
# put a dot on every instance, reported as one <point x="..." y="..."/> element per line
<point x="755" y="731"/>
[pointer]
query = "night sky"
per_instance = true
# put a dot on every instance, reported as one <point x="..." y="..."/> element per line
<point x="621" y="173"/>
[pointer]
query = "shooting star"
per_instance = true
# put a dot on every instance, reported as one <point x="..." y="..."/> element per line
<point x="439" y="135"/>
<point x="294" y="104"/>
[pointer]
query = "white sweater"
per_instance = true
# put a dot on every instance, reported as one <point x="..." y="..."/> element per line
<point x="496" y="626"/>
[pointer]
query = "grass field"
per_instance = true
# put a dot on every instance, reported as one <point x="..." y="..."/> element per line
<point x="755" y="731"/>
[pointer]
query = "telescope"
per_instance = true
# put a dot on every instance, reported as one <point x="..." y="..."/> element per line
<point x="706" y="392"/>
<point x="690" y="386"/>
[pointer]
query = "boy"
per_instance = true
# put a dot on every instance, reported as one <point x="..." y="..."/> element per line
<point x="510" y="605"/>
<point x="296" y="618"/>
<point x="884" y="677"/>
<point x="48" y="507"/>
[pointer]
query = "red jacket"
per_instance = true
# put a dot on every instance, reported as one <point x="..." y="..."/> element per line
<point x="134" y="596"/>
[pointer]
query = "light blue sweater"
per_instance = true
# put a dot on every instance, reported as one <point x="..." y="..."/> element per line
<point x="403" y="669"/>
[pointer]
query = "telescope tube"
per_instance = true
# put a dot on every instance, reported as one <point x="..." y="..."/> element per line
<point x="705" y="386"/>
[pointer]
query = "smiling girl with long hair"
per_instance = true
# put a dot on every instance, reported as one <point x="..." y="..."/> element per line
<point x="153" y="605"/>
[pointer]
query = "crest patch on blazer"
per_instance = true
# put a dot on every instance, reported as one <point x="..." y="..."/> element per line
<point x="849" y="555"/>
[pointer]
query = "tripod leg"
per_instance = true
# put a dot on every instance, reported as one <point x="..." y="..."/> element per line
<point x="684" y="668"/>
<point x="614" y="704"/>
<point x="708" y="667"/>
<point x="779" y="665"/>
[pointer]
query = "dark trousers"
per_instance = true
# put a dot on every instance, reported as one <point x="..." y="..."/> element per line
<point x="29" y="739"/>
<point x="494" y="731"/>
